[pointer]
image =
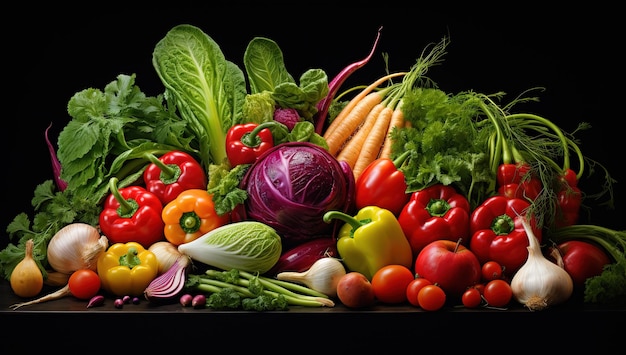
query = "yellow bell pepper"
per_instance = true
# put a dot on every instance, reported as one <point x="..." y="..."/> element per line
<point x="370" y="240"/>
<point x="127" y="269"/>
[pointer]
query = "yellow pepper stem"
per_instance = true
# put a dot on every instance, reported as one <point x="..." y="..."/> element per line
<point x="130" y="259"/>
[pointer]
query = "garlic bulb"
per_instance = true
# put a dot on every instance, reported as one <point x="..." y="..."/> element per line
<point x="323" y="275"/>
<point x="76" y="246"/>
<point x="540" y="283"/>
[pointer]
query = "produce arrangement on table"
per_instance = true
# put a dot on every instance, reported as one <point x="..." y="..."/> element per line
<point x="246" y="189"/>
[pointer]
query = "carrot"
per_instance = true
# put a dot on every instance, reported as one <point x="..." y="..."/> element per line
<point x="397" y="120"/>
<point x="372" y="144"/>
<point x="349" y="118"/>
<point x="352" y="122"/>
<point x="351" y="150"/>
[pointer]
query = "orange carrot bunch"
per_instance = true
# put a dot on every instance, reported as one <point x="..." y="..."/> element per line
<point x="361" y="132"/>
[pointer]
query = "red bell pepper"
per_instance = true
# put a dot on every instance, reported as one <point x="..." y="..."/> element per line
<point x="132" y="214"/>
<point x="497" y="232"/>
<point x="382" y="184"/>
<point x="247" y="141"/>
<point x="513" y="181"/>
<point x="435" y="212"/>
<point x="173" y="173"/>
<point x="569" y="200"/>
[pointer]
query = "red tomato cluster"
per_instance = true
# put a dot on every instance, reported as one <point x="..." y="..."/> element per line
<point x="396" y="284"/>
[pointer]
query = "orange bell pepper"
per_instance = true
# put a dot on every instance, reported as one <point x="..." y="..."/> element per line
<point x="191" y="215"/>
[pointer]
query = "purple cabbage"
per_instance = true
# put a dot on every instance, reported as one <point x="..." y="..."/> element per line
<point x="291" y="187"/>
<point x="287" y="116"/>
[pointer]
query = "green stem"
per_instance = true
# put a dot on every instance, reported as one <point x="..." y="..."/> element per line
<point x="130" y="259"/>
<point x="553" y="127"/>
<point x="400" y="159"/>
<point x="284" y="287"/>
<point x="355" y="223"/>
<point x="501" y="141"/>
<point x="168" y="171"/>
<point x="241" y="287"/>
<point x="251" y="139"/>
<point x="614" y="242"/>
<point x="127" y="207"/>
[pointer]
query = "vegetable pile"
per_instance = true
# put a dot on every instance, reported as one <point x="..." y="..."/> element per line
<point x="246" y="189"/>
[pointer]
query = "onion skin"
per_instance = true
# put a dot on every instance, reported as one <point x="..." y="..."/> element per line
<point x="301" y="257"/>
<point x="76" y="246"/>
<point x="26" y="279"/>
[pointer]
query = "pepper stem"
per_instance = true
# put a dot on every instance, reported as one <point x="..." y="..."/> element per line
<point x="502" y="225"/>
<point x="127" y="207"/>
<point x="130" y="259"/>
<point x="251" y="139"/>
<point x="355" y="223"/>
<point x="399" y="160"/>
<point x="190" y="222"/>
<point x="169" y="172"/>
<point x="437" y="207"/>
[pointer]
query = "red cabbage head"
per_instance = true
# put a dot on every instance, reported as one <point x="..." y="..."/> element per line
<point x="290" y="188"/>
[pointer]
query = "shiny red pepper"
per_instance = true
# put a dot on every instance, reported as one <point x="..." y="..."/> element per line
<point x="497" y="232"/>
<point x="382" y="184"/>
<point x="513" y="182"/>
<point x="247" y="141"/>
<point x="435" y="212"/>
<point x="132" y="214"/>
<point x="569" y="200"/>
<point x="173" y="173"/>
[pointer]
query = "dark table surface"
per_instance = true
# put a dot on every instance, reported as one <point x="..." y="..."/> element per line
<point x="384" y="329"/>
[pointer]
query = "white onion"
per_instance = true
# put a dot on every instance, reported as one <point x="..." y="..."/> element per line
<point x="76" y="246"/>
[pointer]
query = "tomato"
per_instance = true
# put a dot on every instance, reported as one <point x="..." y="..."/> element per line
<point x="431" y="297"/>
<point x="480" y="287"/>
<point x="84" y="284"/>
<point x="497" y="293"/>
<point x="471" y="298"/>
<point x="413" y="289"/>
<point x="390" y="283"/>
<point x="491" y="270"/>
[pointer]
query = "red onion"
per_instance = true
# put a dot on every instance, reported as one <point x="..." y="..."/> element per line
<point x="170" y="284"/>
<point x="301" y="257"/>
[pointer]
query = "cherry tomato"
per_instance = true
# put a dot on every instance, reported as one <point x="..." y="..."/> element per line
<point x="491" y="270"/>
<point x="497" y="293"/>
<point x="413" y="289"/>
<point x="431" y="297"/>
<point x="471" y="298"/>
<point x="480" y="287"/>
<point x="84" y="284"/>
<point x="390" y="283"/>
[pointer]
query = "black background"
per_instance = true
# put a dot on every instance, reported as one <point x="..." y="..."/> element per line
<point x="574" y="54"/>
